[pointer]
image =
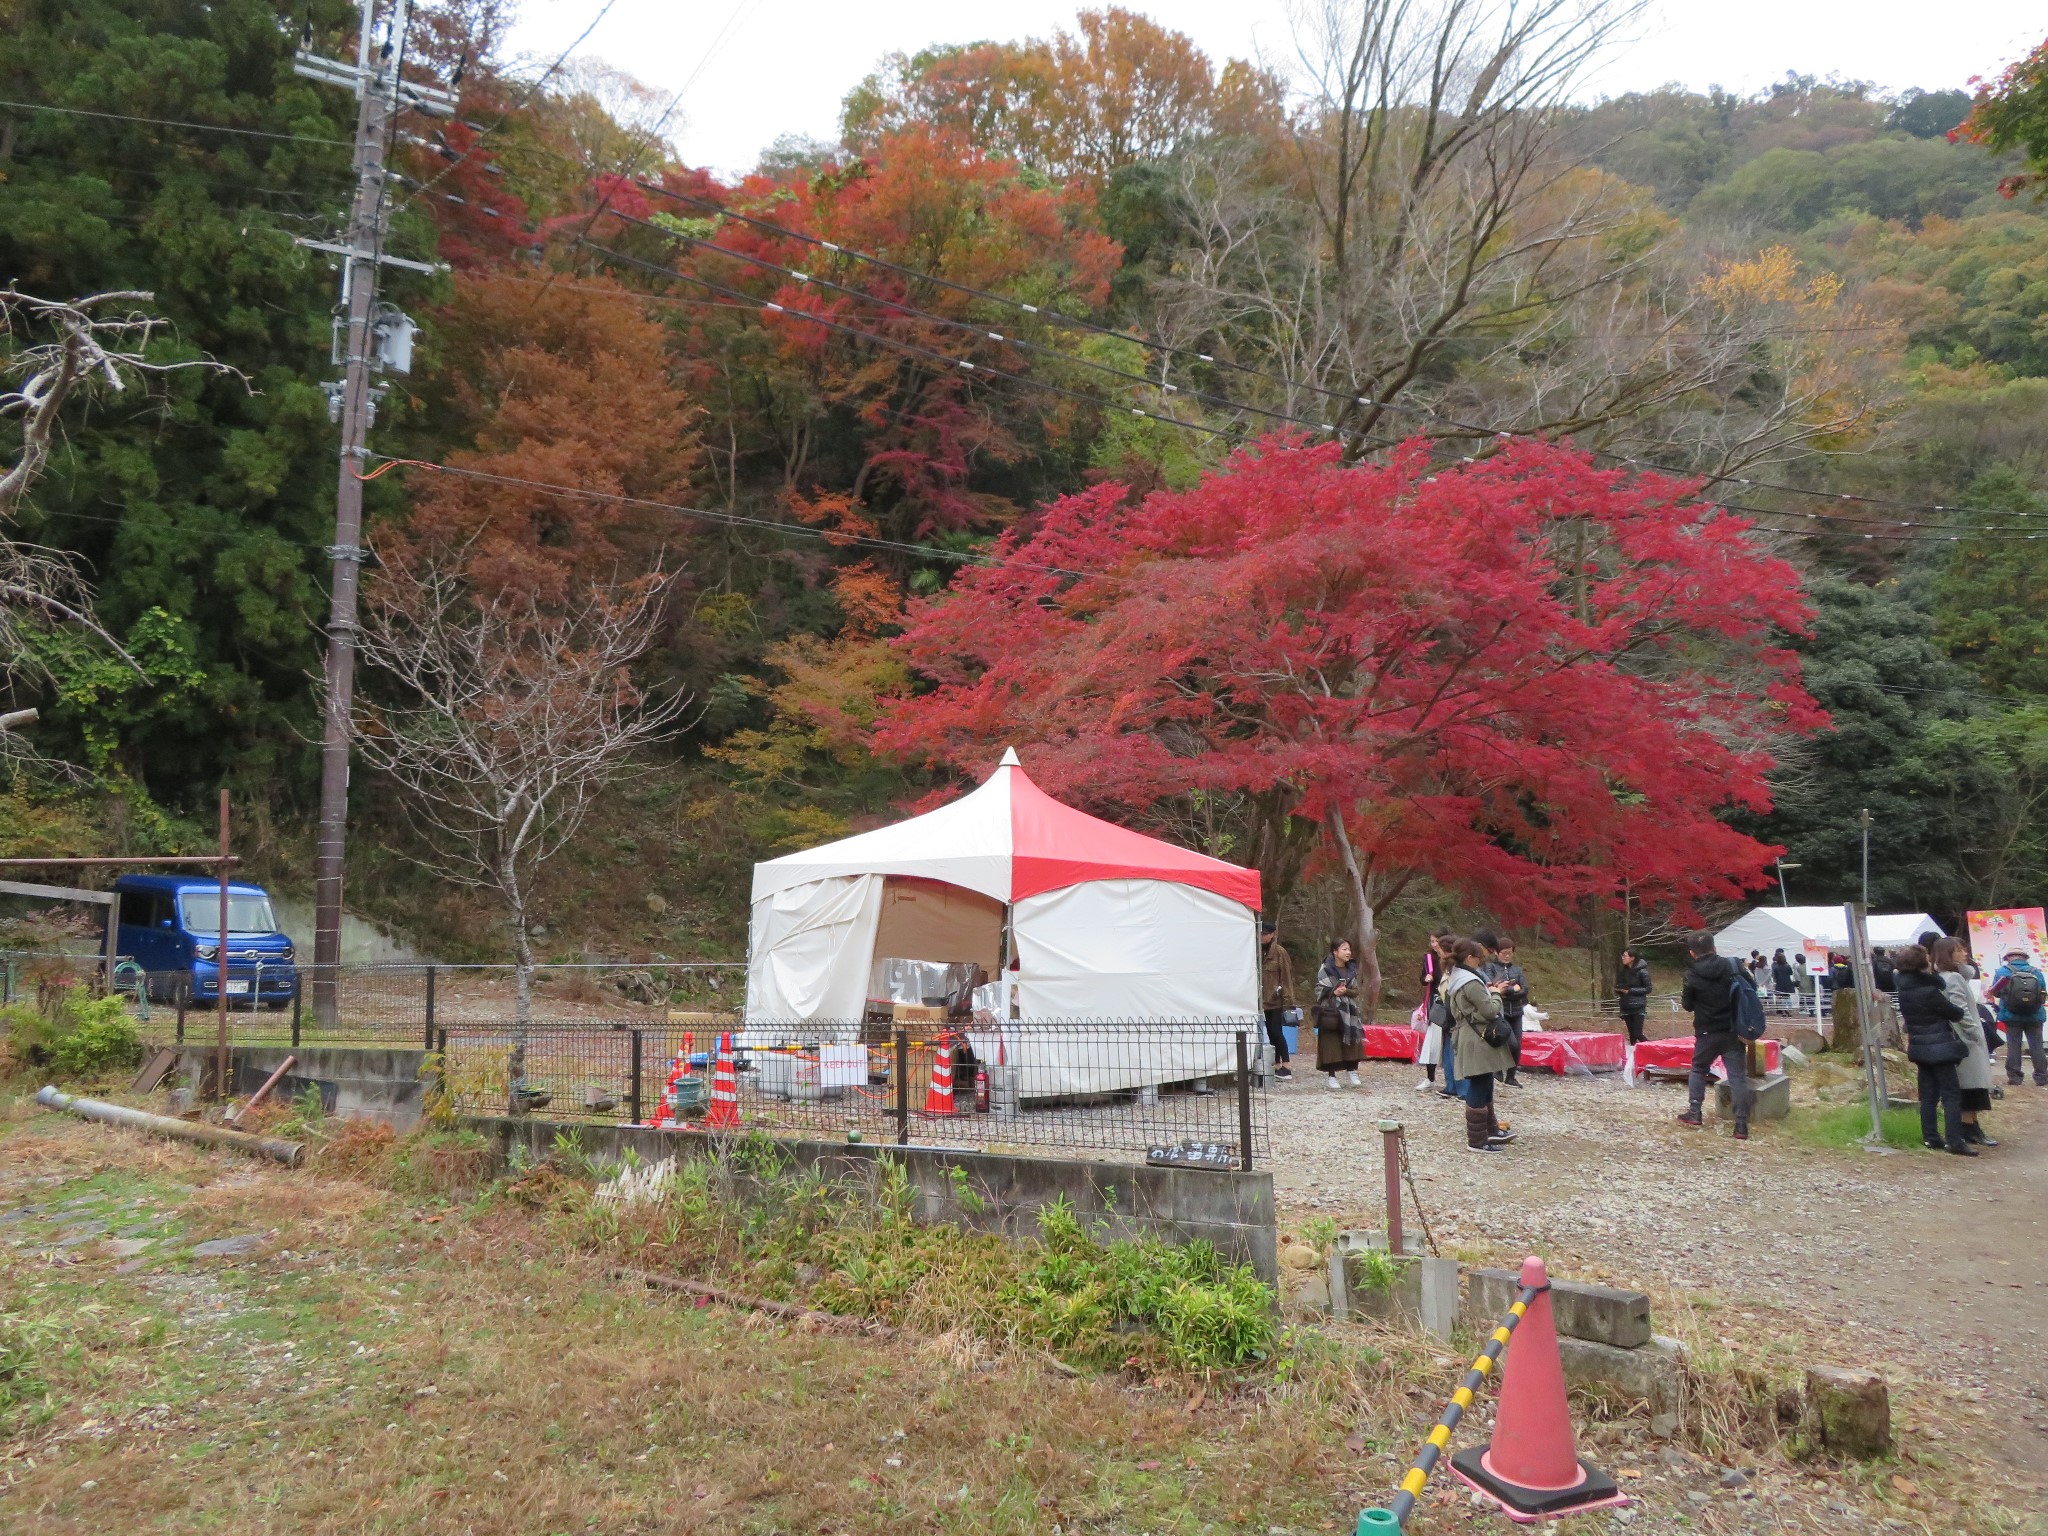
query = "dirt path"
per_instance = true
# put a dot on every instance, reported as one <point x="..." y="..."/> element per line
<point x="1926" y="1265"/>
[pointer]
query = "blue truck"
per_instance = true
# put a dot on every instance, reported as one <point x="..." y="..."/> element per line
<point x="170" y="926"/>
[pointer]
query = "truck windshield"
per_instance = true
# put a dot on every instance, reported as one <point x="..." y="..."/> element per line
<point x="246" y="914"/>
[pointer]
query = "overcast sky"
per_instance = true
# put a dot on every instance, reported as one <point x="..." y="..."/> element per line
<point x="752" y="70"/>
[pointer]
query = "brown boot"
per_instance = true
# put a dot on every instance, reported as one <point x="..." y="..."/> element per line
<point x="1477" y="1124"/>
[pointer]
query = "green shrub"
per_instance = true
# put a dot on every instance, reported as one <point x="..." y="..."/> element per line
<point x="79" y="1035"/>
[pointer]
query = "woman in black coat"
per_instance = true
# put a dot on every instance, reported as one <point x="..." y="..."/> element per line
<point x="1934" y="1047"/>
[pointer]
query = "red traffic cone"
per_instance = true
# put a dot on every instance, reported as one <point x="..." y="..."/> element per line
<point x="938" y="1099"/>
<point x="1531" y="1469"/>
<point x="725" y="1091"/>
<point x="665" y="1109"/>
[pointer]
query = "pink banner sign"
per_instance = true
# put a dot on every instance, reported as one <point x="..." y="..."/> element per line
<point x="1993" y="933"/>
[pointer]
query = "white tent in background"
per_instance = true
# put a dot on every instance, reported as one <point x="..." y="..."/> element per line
<point x="1073" y="918"/>
<point x="1792" y="928"/>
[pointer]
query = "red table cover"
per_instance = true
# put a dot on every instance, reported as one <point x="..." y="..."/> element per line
<point x="1561" y="1050"/>
<point x="1676" y="1055"/>
<point x="1392" y="1042"/>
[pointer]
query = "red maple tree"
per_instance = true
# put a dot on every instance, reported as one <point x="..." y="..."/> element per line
<point x="1525" y="678"/>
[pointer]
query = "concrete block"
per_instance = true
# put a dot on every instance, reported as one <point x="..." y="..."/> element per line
<point x="1600" y="1313"/>
<point x="1773" y="1099"/>
<point x="1848" y="1411"/>
<point x="1439" y="1287"/>
<point x="1652" y="1374"/>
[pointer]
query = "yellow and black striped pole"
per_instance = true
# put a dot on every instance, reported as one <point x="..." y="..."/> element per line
<point x="1380" y="1522"/>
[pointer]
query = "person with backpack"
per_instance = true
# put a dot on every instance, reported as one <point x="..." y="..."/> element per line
<point x="1632" y="993"/>
<point x="1714" y="986"/>
<point x="1934" y="1044"/>
<point x="1480" y="1040"/>
<point x="2022" y="996"/>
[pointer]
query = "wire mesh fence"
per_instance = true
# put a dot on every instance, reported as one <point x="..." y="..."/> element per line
<point x="1174" y="1092"/>
<point x="278" y="1001"/>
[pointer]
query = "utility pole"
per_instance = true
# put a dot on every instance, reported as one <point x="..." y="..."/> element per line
<point x="370" y="336"/>
<point x="1865" y="822"/>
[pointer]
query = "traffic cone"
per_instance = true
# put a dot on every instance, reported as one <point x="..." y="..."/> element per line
<point x="938" y="1099"/>
<point x="1531" y="1469"/>
<point x="725" y="1091"/>
<point x="679" y="1069"/>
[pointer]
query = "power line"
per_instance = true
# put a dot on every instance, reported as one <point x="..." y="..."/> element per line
<point x="172" y="122"/>
<point x="1869" y="528"/>
<point x="730" y="519"/>
<point x="1167" y="349"/>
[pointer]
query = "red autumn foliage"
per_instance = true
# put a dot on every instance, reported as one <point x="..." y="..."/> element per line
<point x="1524" y="678"/>
<point x="565" y="384"/>
<point x="892" y="442"/>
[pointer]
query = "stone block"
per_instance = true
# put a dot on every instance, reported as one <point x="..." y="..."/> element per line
<point x="1601" y="1313"/>
<point x="1773" y="1099"/>
<point x="1848" y="1411"/>
<point x="1439" y="1296"/>
<point x="1652" y="1374"/>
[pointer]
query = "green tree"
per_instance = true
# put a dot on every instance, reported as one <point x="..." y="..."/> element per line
<point x="203" y="498"/>
<point x="1989" y="609"/>
<point x="1873" y="662"/>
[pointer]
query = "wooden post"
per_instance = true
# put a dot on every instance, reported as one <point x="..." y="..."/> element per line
<point x="220" y="986"/>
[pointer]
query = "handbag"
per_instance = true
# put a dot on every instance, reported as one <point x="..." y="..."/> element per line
<point x="1945" y="1051"/>
<point x="1290" y="1016"/>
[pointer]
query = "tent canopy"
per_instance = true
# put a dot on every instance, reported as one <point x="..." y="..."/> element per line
<point x="1104" y="922"/>
<point x="1788" y="928"/>
<point x="1008" y="840"/>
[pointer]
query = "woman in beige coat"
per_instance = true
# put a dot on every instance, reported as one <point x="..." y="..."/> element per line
<point x="1475" y="1012"/>
<point x="1973" y="1072"/>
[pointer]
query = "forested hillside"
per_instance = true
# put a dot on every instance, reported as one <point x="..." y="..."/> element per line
<point x="1095" y="265"/>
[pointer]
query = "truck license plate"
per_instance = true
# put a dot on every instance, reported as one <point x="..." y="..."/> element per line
<point x="237" y="988"/>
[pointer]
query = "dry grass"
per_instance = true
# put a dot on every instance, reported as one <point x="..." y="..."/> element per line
<point x="400" y="1361"/>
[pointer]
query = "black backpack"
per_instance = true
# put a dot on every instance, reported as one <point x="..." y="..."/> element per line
<point x="1747" y="1006"/>
<point x="2023" y="991"/>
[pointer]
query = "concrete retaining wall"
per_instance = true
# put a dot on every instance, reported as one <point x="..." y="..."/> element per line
<point x="1177" y="1205"/>
<point x="381" y="1083"/>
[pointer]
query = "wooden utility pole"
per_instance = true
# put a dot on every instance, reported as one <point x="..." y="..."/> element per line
<point x="375" y="337"/>
<point x="220" y="981"/>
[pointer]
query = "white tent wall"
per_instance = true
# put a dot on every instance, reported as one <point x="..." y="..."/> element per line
<point x="810" y="949"/>
<point x="1136" y="949"/>
<point x="1126" y="949"/>
<point x="1786" y="928"/>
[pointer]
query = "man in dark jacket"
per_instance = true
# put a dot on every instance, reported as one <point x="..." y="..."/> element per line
<point x="1632" y="992"/>
<point x="1710" y="994"/>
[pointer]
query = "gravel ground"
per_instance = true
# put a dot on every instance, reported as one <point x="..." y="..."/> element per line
<point x="1931" y="1267"/>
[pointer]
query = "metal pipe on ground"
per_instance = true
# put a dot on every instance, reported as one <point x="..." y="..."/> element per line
<point x="263" y="1093"/>
<point x="276" y="1149"/>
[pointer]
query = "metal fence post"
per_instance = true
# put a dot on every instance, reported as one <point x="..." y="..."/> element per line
<point x="183" y="992"/>
<point x="430" y="1007"/>
<point x="298" y="999"/>
<point x="902" y="1076"/>
<point x="633" y="1102"/>
<point x="1244" y="1104"/>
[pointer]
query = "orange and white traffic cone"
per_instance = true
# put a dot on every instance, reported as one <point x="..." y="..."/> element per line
<point x="1531" y="1469"/>
<point x="665" y="1107"/>
<point x="938" y="1099"/>
<point x="725" y="1091"/>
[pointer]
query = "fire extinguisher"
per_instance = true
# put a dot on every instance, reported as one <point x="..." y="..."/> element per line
<point x="980" y="1089"/>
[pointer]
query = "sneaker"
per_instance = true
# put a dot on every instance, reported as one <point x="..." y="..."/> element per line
<point x="1329" y="1079"/>
<point x="1424" y="1086"/>
<point x="1285" y="1074"/>
<point x="1491" y="1146"/>
<point x="1690" y="1119"/>
<point x="1355" y="1082"/>
<point x="1742" y="1133"/>
<point x="1500" y="1138"/>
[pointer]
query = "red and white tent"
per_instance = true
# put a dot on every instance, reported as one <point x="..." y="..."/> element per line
<point x="1101" y="922"/>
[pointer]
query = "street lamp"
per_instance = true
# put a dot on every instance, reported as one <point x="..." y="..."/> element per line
<point x="1783" y="901"/>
